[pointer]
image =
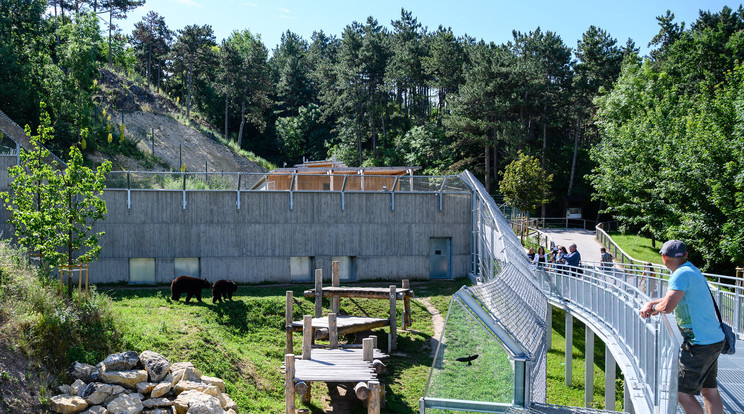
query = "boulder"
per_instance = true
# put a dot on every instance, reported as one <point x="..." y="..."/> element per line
<point x="96" y="409"/>
<point x="96" y="392"/>
<point x="161" y="389"/>
<point x="144" y="387"/>
<point x="157" y="403"/>
<point x="125" y="404"/>
<point x="66" y="404"/>
<point x="159" y="411"/>
<point x="76" y="387"/>
<point x="229" y="403"/>
<point x="127" y="379"/>
<point x="156" y="365"/>
<point x="217" y="382"/>
<point x="191" y="385"/>
<point x="81" y="371"/>
<point x="200" y="403"/>
<point x="121" y="362"/>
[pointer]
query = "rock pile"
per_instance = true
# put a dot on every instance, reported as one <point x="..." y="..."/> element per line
<point x="147" y="383"/>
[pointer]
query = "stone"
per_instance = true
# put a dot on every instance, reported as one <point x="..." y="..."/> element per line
<point x="181" y="403"/>
<point x="144" y="387"/>
<point x="159" y="411"/>
<point x="96" y="392"/>
<point x="156" y="365"/>
<point x="81" y="371"/>
<point x="161" y="389"/>
<point x="125" y="404"/>
<point x="214" y="381"/>
<point x="66" y="404"/>
<point x="157" y="403"/>
<point x="76" y="387"/>
<point x="205" y="404"/>
<point x="65" y="389"/>
<point x="121" y="362"/>
<point x="231" y="411"/>
<point x="127" y="379"/>
<point x="229" y="403"/>
<point x="190" y="385"/>
<point x="178" y="366"/>
<point x="96" y="409"/>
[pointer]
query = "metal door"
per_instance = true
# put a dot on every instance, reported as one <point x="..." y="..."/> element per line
<point x="440" y="258"/>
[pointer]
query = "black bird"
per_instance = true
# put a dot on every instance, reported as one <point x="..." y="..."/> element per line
<point x="467" y="359"/>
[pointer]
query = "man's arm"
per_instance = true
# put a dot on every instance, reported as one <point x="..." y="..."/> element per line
<point x="665" y="304"/>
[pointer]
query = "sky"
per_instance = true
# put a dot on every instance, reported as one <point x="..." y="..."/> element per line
<point x="490" y="20"/>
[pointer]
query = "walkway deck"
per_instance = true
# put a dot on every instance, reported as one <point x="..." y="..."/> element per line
<point x="345" y="324"/>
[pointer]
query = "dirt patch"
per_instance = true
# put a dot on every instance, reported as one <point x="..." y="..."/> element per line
<point x="20" y="382"/>
<point x="437" y="323"/>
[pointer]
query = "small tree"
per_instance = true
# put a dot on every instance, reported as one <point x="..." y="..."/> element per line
<point x="53" y="211"/>
<point x="524" y="183"/>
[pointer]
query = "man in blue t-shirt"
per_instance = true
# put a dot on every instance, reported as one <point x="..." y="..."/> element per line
<point x="689" y="297"/>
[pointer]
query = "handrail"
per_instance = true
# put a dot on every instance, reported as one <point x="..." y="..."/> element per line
<point x="648" y="347"/>
<point x="605" y="240"/>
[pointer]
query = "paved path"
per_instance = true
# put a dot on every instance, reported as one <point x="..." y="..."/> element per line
<point x="586" y="244"/>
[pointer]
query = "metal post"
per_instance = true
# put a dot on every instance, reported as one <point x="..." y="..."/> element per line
<point x="609" y="380"/>
<point x="152" y="137"/>
<point x="569" y="348"/>
<point x="589" y="368"/>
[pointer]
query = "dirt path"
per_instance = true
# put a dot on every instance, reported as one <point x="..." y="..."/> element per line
<point x="437" y="323"/>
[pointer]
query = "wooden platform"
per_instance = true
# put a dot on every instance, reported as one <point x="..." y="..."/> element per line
<point x="360" y="292"/>
<point x="336" y="365"/>
<point x="345" y="324"/>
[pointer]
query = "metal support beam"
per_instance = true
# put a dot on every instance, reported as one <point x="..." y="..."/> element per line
<point x="549" y="324"/>
<point x="589" y="368"/>
<point x="569" y="348"/>
<point x="609" y="380"/>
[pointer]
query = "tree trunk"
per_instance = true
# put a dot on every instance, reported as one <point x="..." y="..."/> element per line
<point x="188" y="101"/>
<point x="242" y="123"/>
<point x="111" y="13"/>
<point x="575" y="153"/>
<point x="544" y="149"/>
<point x="226" y="102"/>
<point x="149" y="64"/>
<point x="487" y="178"/>
<point x="69" y="246"/>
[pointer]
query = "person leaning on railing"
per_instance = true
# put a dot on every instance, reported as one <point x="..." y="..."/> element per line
<point x="573" y="258"/>
<point x="688" y="296"/>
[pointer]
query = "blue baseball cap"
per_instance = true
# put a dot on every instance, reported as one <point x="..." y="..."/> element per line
<point x="673" y="248"/>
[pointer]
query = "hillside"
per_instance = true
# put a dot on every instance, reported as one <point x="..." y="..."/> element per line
<point x="147" y="115"/>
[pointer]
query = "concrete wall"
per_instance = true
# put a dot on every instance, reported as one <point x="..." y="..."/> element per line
<point x="254" y="243"/>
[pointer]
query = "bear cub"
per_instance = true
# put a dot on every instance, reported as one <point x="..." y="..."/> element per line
<point x="191" y="286"/>
<point x="223" y="289"/>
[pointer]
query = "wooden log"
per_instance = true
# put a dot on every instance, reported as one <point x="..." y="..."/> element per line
<point x="288" y="309"/>
<point x="289" y="390"/>
<point x="307" y="337"/>
<point x="335" y="282"/>
<point x="382" y="396"/>
<point x="361" y="390"/>
<point x="300" y="387"/>
<point x="378" y="366"/>
<point x="332" y="331"/>
<point x="367" y="350"/>
<point x="374" y="341"/>
<point x="392" y="338"/>
<point x="318" y="293"/>
<point x="406" y="322"/>
<point x="307" y="395"/>
<point x="373" y="402"/>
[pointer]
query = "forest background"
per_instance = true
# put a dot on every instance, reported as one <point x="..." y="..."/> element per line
<point x="653" y="141"/>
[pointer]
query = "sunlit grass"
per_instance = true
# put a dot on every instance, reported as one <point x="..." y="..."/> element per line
<point x="638" y="247"/>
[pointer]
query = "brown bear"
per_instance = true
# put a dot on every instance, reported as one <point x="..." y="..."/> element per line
<point x="191" y="286"/>
<point x="223" y="289"/>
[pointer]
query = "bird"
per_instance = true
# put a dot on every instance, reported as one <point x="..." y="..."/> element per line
<point x="467" y="359"/>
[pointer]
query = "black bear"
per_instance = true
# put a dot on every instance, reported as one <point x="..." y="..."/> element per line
<point x="191" y="286"/>
<point x="223" y="289"/>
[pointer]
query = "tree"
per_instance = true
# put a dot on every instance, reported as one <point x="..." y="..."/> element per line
<point x="151" y="41"/>
<point x="117" y="9"/>
<point x="524" y="182"/>
<point x="53" y="211"/>
<point x="194" y="45"/>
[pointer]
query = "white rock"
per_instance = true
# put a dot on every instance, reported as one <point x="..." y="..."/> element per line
<point x="127" y="379"/>
<point x="217" y="382"/>
<point x="229" y="403"/>
<point x="121" y="362"/>
<point x="66" y="404"/>
<point x="156" y="365"/>
<point x="65" y="389"/>
<point x="205" y="404"/>
<point x="190" y="385"/>
<point x="125" y="403"/>
<point x="96" y="392"/>
<point x="96" y="409"/>
<point x="76" y="386"/>
<point x="157" y="402"/>
<point x="145" y="387"/>
<point x="181" y="403"/>
<point x="161" y="389"/>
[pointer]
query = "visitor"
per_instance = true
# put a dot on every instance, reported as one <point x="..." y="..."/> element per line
<point x="573" y="258"/>
<point x="540" y="258"/>
<point x="531" y="254"/>
<point x="688" y="295"/>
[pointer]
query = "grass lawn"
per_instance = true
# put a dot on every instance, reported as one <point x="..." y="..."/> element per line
<point x="243" y="341"/>
<point x="638" y="247"/>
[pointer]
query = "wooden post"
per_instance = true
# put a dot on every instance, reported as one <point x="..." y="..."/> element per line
<point x="318" y="293"/>
<point x="373" y="404"/>
<point x="307" y="337"/>
<point x="374" y="341"/>
<point x="289" y="389"/>
<point x="335" y="282"/>
<point x="332" y="331"/>
<point x="361" y="390"/>
<point x="307" y="395"/>
<point x="406" y="322"/>
<point x="288" y="309"/>
<point x="367" y="350"/>
<point x="392" y="338"/>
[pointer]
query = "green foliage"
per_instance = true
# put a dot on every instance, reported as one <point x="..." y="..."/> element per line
<point x="525" y="184"/>
<point x="54" y="211"/>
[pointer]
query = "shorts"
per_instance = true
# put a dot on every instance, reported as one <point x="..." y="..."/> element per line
<point x="698" y="367"/>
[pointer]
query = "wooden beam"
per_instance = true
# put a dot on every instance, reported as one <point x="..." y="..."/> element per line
<point x="335" y="282"/>
<point x="373" y="404"/>
<point x="392" y="338"/>
<point x="318" y="293"/>
<point x="361" y="390"/>
<point x="288" y="309"/>
<point x="406" y="322"/>
<point x="307" y="337"/>
<point x="289" y="389"/>
<point x="332" y="331"/>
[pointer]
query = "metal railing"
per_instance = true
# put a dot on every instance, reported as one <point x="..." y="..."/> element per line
<point x="605" y="240"/>
<point x="610" y="301"/>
